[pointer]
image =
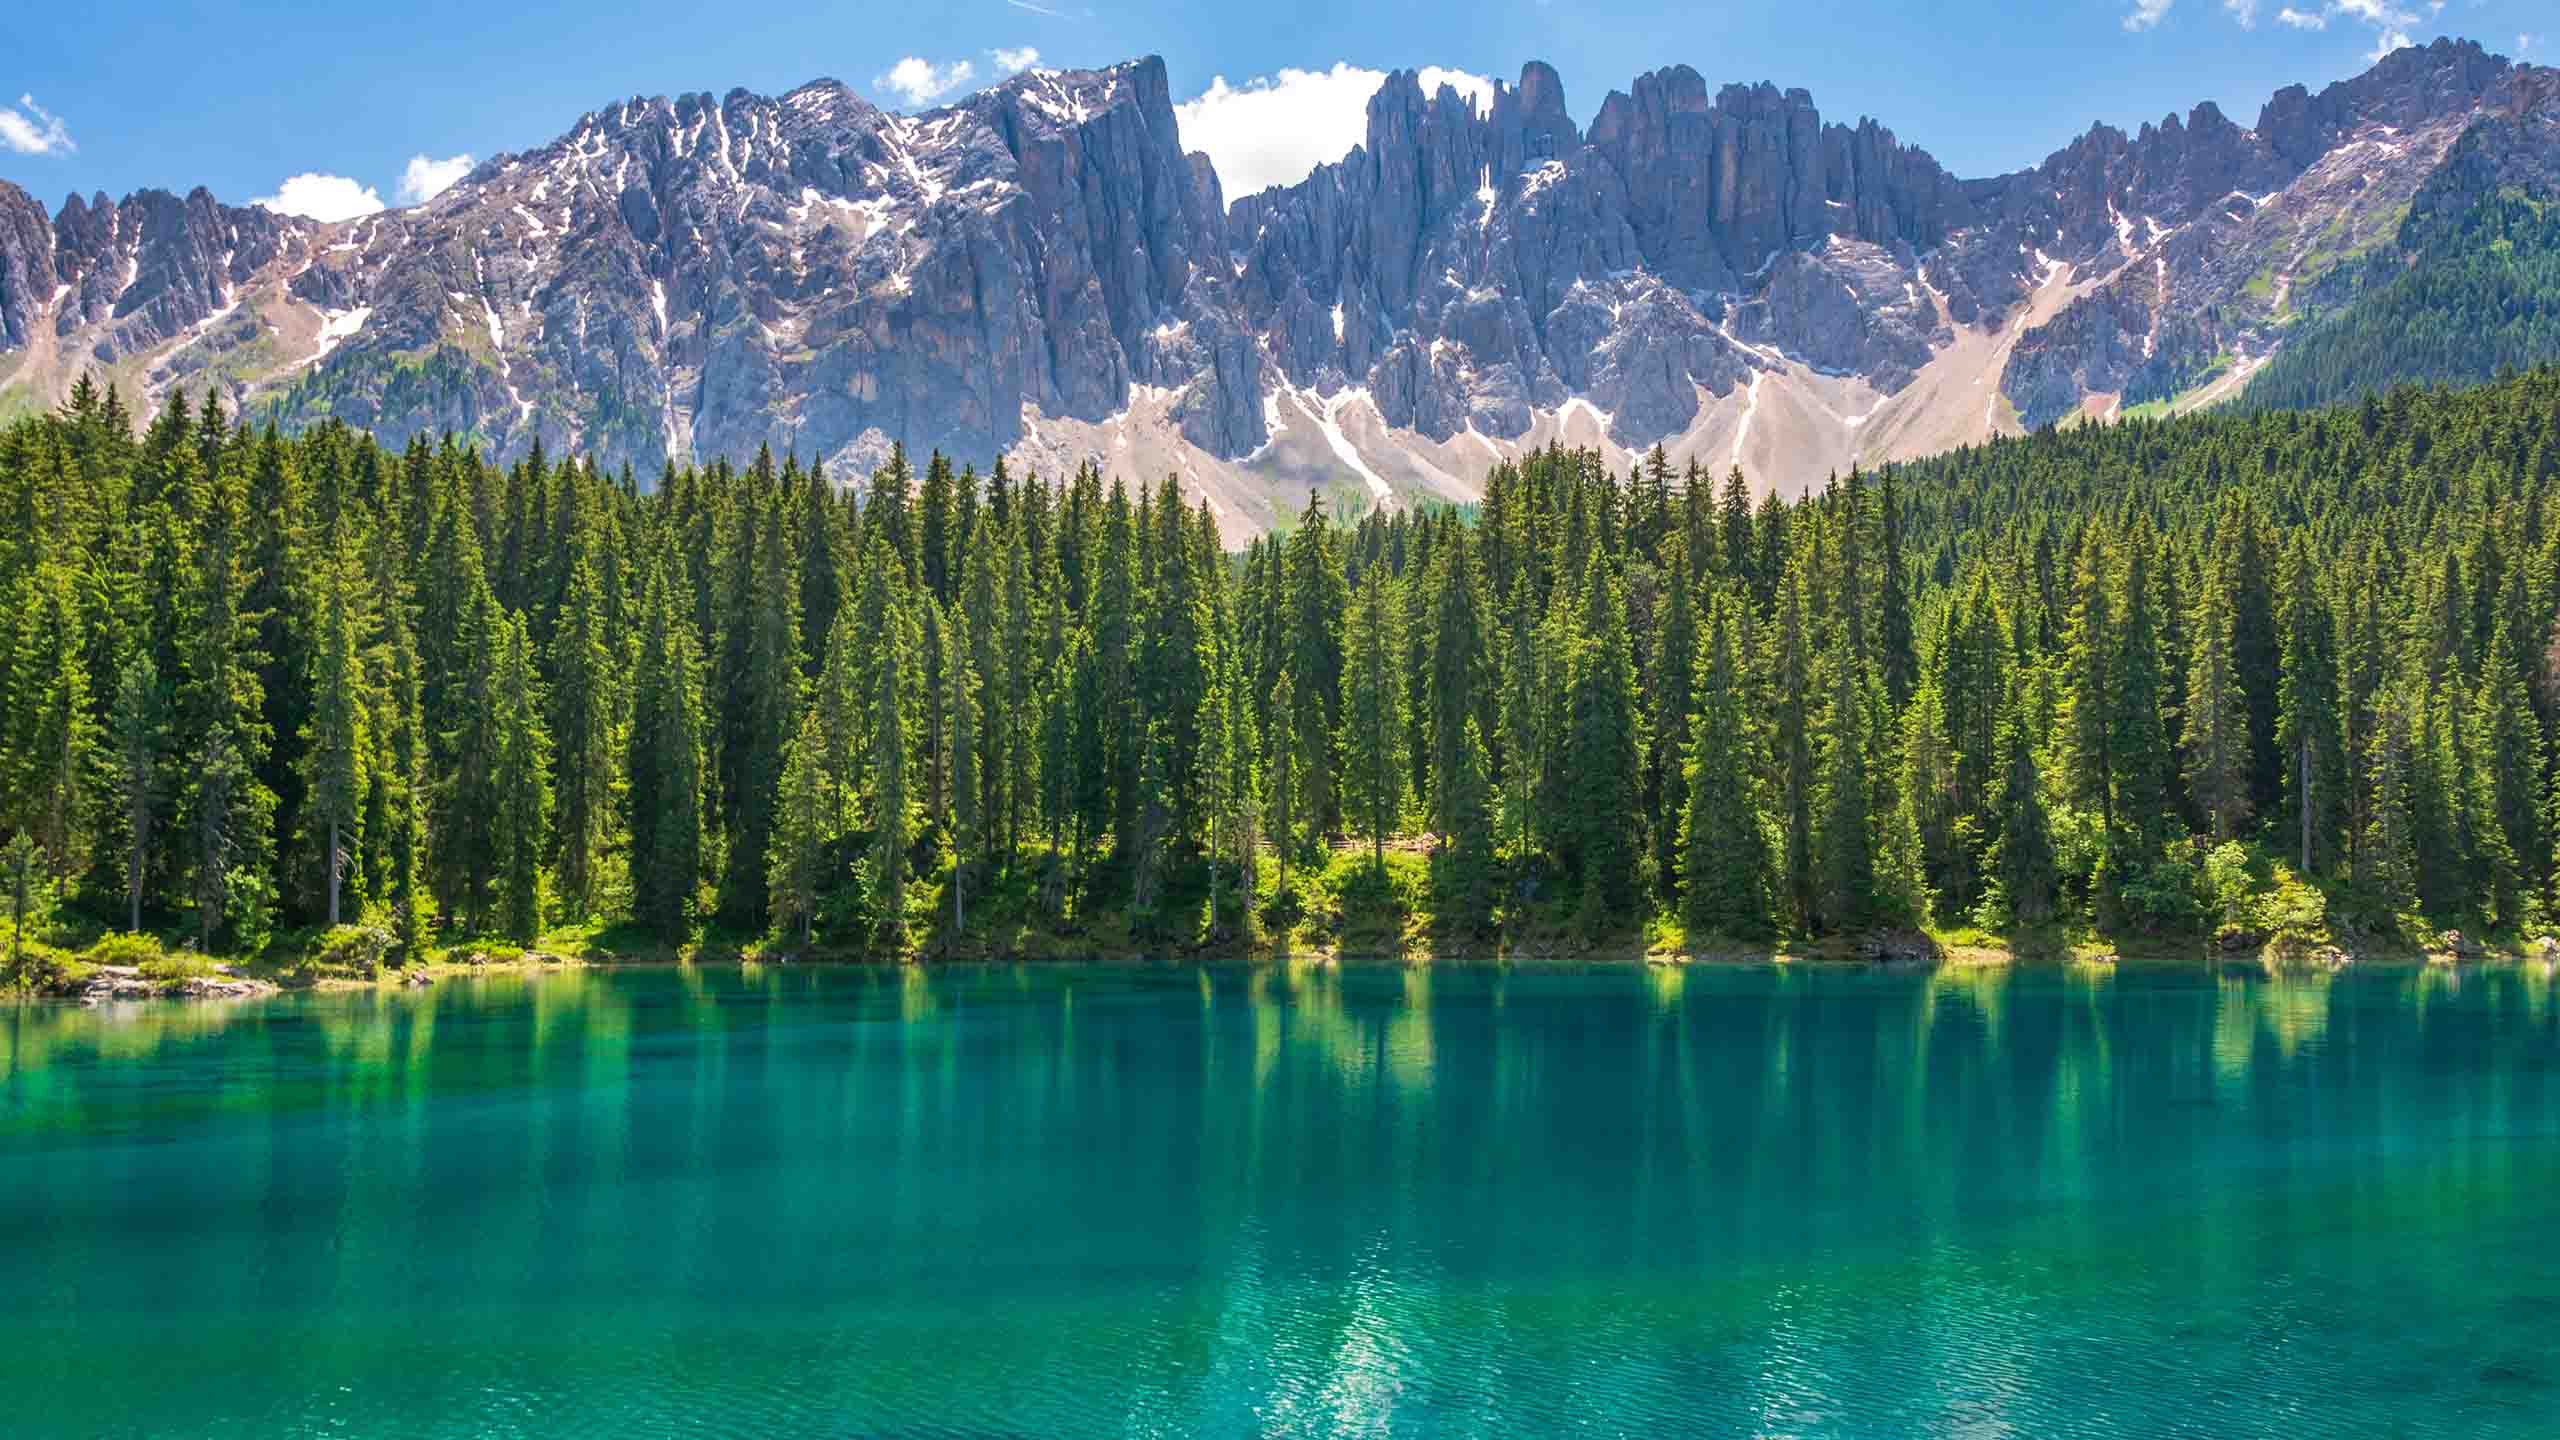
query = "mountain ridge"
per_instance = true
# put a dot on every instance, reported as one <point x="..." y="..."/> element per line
<point x="1041" y="270"/>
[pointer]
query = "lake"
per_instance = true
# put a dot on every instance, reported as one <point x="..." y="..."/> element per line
<point x="999" y="1202"/>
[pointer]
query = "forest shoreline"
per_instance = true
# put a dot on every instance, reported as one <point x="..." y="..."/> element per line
<point x="2261" y="964"/>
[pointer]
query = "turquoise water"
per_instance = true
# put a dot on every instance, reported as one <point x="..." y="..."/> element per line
<point x="1066" y="1202"/>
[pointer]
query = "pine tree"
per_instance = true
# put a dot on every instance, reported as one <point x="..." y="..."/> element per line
<point x="802" y="831"/>
<point x="522" y="772"/>
<point x="2217" y="720"/>
<point x="1603" y="741"/>
<point x="982" y="616"/>
<point x="1898" y="654"/>
<point x="1373" y="723"/>
<point x="2509" y="764"/>
<point x="2386" y="870"/>
<point x="405" y="757"/>
<point x="474" y="800"/>
<point x="1938" y="859"/>
<point x="665" y="799"/>
<point x="1280" y="780"/>
<point x="2090" y="658"/>
<point x="138" y="739"/>
<point x="1456" y="688"/>
<point x="968" y="817"/>
<point x="1725" y="848"/>
<point x="1221" y="776"/>
<point x="764" y="709"/>
<point x="1797" y="782"/>
<point x="1317" y="597"/>
<point x="229" y="811"/>
<point x="937" y="535"/>
<point x="337" y="744"/>
<point x="1674" y="697"/>
<point x="2025" y="865"/>
<point x="586" y="702"/>
<point x="892" y="812"/>
<point x="2137" y="740"/>
<point x="53" y="736"/>
<point x="2307" y="730"/>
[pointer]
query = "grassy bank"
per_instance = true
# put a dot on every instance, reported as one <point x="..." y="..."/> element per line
<point x="2232" y="907"/>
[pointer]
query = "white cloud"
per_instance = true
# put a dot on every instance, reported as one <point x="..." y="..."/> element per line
<point x="322" y="197"/>
<point x="2390" y="21"/>
<point x="424" y="179"/>
<point x="2244" y="11"/>
<point x="2146" y="13"/>
<point x="33" y="130"/>
<point x="1275" y="129"/>
<point x="2524" y="41"/>
<point x="1038" y="9"/>
<point x="1014" y="62"/>
<point x="917" y="80"/>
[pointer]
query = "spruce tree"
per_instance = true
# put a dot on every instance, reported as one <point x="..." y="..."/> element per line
<point x="1603" y="742"/>
<point x="522" y="772"/>
<point x="891" y="817"/>
<point x="138" y="739"/>
<point x="2024" y="863"/>
<point x="665" y="798"/>
<point x="968" y="815"/>
<point x="53" y="733"/>
<point x="1674" y="696"/>
<point x="1373" y="722"/>
<point x="337" y="744"/>
<point x="1725" y="848"/>
<point x="801" y="832"/>
<point x="2307" y="731"/>
<point x="2217" y="719"/>
<point x="586" y="704"/>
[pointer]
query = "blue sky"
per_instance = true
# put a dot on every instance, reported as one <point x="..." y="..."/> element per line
<point x="379" y="103"/>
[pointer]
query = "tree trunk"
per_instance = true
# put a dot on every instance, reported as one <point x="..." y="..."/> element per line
<point x="336" y="865"/>
<point x="2303" y="772"/>
<point x="18" y="915"/>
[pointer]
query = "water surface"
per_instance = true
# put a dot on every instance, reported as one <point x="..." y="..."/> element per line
<point x="1086" y="1202"/>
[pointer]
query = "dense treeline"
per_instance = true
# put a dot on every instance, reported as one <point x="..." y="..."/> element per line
<point x="2460" y="299"/>
<point x="2100" y="677"/>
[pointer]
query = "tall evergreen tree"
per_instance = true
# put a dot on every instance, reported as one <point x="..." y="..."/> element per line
<point x="1373" y="729"/>
<point x="2307" y="732"/>
<point x="1603" y="742"/>
<point x="664" y="803"/>
<point x="1726" y="850"/>
<point x="523" y="777"/>
<point x="337" y="743"/>
<point x="2217" y="721"/>
<point x="802" y="830"/>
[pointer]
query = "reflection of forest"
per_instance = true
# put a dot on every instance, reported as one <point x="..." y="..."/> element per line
<point x="1293" y="1192"/>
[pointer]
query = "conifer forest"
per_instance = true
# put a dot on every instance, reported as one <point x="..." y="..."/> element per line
<point x="2264" y="675"/>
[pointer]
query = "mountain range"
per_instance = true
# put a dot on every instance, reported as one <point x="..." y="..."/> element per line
<point x="1042" y="271"/>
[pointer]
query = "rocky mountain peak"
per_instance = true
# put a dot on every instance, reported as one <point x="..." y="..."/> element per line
<point x="1042" y="268"/>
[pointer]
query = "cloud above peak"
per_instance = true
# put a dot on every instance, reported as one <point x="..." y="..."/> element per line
<point x="424" y="179"/>
<point x="1275" y="129"/>
<point x="316" y="196"/>
<point x="918" y="81"/>
<point x="30" y="129"/>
